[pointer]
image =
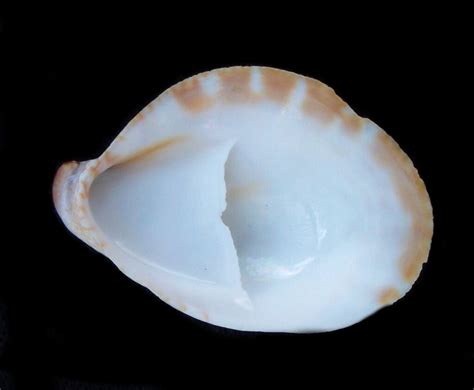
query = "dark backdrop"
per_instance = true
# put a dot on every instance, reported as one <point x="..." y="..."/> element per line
<point x="69" y="318"/>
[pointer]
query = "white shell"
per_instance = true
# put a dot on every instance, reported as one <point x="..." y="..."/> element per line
<point x="255" y="199"/>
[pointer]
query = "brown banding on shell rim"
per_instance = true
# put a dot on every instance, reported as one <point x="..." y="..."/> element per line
<point x="321" y="102"/>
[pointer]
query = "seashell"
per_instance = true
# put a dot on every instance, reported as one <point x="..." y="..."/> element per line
<point x="255" y="199"/>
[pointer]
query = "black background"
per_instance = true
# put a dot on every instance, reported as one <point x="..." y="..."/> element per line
<point x="69" y="318"/>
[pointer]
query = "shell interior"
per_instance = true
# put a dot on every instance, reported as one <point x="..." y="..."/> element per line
<point x="255" y="199"/>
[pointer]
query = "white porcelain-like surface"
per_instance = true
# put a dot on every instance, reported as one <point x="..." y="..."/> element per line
<point x="255" y="199"/>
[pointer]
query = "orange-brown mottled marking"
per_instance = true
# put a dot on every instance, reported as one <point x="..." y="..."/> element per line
<point x="323" y="103"/>
<point x="59" y="179"/>
<point x="328" y="97"/>
<point x="235" y="84"/>
<point x="108" y="157"/>
<point x="352" y="122"/>
<point x="95" y="168"/>
<point x="83" y="187"/>
<point x="205" y="316"/>
<point x="277" y="85"/>
<point x="148" y="151"/>
<point x="412" y="193"/>
<point x="138" y="118"/>
<point x="388" y="296"/>
<point x="182" y="307"/>
<point x="190" y="95"/>
<point x="314" y="103"/>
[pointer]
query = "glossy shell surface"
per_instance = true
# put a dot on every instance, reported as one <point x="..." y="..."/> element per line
<point x="255" y="199"/>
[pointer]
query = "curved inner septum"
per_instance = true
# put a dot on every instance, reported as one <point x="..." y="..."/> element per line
<point x="275" y="236"/>
<point x="173" y="209"/>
